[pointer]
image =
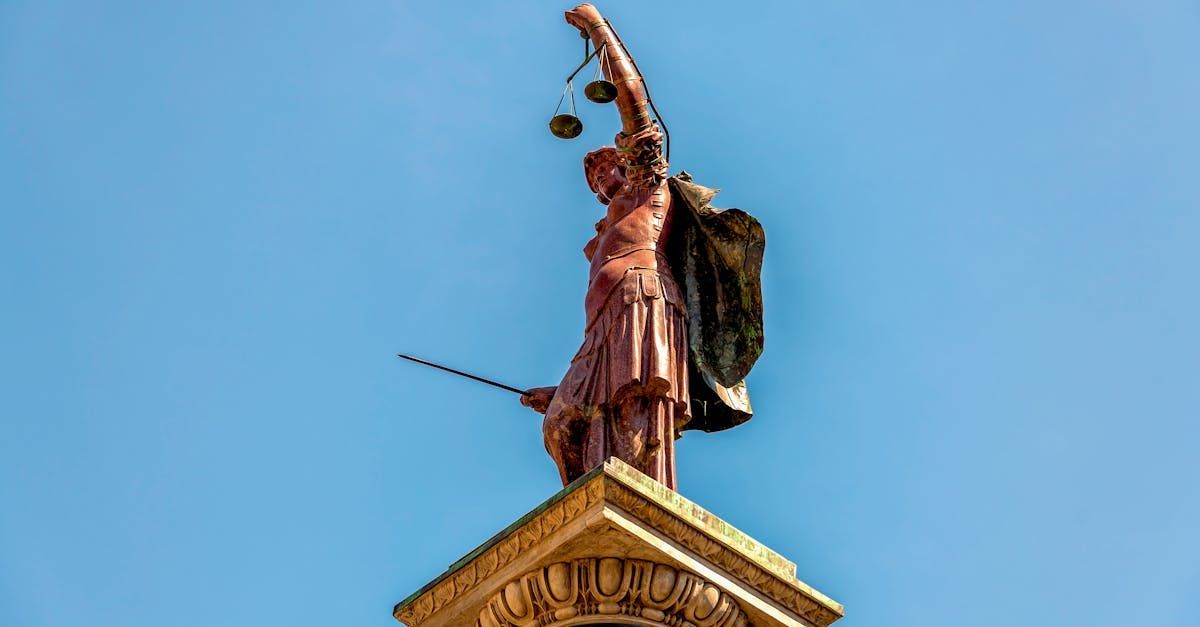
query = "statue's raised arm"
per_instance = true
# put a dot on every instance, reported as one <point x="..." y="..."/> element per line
<point x="617" y="66"/>
<point x="640" y="139"/>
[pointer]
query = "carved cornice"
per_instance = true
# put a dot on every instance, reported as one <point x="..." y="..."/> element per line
<point x="604" y="588"/>
<point x="502" y="553"/>
<point x="703" y="545"/>
<point x="608" y="485"/>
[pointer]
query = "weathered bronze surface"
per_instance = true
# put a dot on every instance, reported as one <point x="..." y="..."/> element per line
<point x="673" y="306"/>
<point x="566" y="126"/>
<point x="717" y="256"/>
<point x="600" y="91"/>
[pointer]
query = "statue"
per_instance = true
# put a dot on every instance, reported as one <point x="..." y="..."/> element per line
<point x="673" y="306"/>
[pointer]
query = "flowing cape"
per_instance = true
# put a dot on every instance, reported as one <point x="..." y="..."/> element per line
<point x="716" y="256"/>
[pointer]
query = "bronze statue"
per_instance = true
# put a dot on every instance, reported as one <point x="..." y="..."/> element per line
<point x="634" y="385"/>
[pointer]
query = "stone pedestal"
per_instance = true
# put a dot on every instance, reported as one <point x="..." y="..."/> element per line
<point x="617" y="548"/>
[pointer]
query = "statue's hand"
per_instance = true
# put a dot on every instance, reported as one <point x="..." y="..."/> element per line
<point x="538" y="399"/>
<point x="583" y="17"/>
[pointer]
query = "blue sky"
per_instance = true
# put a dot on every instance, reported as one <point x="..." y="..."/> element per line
<point x="978" y="402"/>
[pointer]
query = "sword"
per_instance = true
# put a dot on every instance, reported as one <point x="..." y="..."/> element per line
<point x="464" y="374"/>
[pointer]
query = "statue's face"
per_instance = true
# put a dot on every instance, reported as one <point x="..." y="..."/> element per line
<point x="609" y="180"/>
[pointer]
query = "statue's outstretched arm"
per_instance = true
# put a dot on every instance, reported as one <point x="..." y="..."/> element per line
<point x="619" y="69"/>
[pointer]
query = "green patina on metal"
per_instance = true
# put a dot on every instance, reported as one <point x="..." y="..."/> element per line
<point x="716" y="256"/>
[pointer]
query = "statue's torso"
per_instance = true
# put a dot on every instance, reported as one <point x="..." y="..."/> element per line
<point x="634" y="236"/>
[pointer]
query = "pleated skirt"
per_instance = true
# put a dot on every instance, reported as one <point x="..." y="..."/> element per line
<point x="625" y="394"/>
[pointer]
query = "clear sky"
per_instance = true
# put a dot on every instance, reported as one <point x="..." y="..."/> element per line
<point x="979" y="399"/>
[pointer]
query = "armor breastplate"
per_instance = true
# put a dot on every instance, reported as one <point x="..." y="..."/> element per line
<point x="642" y="228"/>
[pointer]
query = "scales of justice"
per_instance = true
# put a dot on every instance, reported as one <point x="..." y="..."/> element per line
<point x="673" y="326"/>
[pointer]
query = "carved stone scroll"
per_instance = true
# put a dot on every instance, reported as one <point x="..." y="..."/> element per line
<point x="611" y="589"/>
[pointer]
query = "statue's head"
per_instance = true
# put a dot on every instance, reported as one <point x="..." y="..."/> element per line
<point x="605" y="171"/>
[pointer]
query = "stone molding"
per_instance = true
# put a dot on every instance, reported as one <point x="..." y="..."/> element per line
<point x="608" y="588"/>
<point x="414" y="611"/>
<point x="741" y="568"/>
<point x="608" y="485"/>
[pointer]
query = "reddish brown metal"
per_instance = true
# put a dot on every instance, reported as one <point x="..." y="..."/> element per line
<point x="588" y="20"/>
<point x="625" y="393"/>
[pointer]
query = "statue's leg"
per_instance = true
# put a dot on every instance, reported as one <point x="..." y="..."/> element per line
<point x="665" y="425"/>
<point x="641" y="433"/>
<point x="564" y="433"/>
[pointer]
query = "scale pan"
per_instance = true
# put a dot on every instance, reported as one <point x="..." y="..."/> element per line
<point x="566" y="126"/>
<point x="600" y="91"/>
